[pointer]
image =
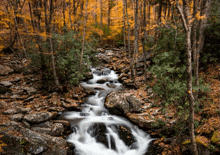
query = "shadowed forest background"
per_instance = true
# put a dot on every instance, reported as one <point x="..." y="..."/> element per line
<point x="178" y="42"/>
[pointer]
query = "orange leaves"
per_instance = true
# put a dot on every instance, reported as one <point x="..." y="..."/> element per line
<point x="199" y="17"/>
<point x="2" y="144"/>
<point x="209" y="125"/>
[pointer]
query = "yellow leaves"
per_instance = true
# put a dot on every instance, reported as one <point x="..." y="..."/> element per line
<point x="180" y="2"/>
<point x="199" y="16"/>
<point x="202" y="140"/>
<point x="186" y="142"/>
<point x="209" y="125"/>
<point x="215" y="137"/>
<point x="199" y="139"/>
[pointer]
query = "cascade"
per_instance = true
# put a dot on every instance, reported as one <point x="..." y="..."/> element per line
<point x="95" y="131"/>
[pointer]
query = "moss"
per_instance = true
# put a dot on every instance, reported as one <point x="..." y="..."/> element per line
<point x="215" y="137"/>
<point x="200" y="140"/>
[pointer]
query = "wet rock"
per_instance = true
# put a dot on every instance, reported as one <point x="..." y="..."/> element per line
<point x="26" y="124"/>
<point x="98" y="88"/>
<point x="46" y="124"/>
<point x="23" y="109"/>
<point x="5" y="70"/>
<point x="12" y="141"/>
<point x="41" y="130"/>
<point x="6" y="83"/>
<point x="111" y="85"/>
<point x="64" y="122"/>
<point x="97" y="72"/>
<point x="101" y="81"/>
<point x="106" y="71"/>
<point x="57" y="129"/>
<point x="10" y="111"/>
<point x="141" y="120"/>
<point x="120" y="102"/>
<point x="44" y="144"/>
<point x="57" y="109"/>
<point x="39" y="117"/>
<point x="4" y="90"/>
<point x="16" y="117"/>
<point x="38" y="143"/>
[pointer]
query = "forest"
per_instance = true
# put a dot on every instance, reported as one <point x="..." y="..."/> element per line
<point x="165" y="52"/>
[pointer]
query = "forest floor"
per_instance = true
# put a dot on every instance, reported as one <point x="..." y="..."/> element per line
<point x="25" y="96"/>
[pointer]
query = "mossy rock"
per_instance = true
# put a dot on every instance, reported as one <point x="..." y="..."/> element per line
<point x="215" y="137"/>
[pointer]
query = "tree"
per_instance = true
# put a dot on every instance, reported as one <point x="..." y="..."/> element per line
<point x="135" y="54"/>
<point x="144" y="40"/>
<point x="187" y="22"/>
<point x="84" y="34"/>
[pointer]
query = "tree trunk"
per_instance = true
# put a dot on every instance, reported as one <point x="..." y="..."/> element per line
<point x="185" y="15"/>
<point x="136" y="36"/>
<point x="160" y="10"/>
<point x="84" y="34"/>
<point x="53" y="63"/>
<point x="51" y="45"/>
<point x="100" y="19"/>
<point x="71" y="23"/>
<point x="205" y="10"/>
<point x="144" y="41"/>
<point x="17" y="29"/>
<point x="64" y="16"/>
<point x="194" y="44"/>
<point x="124" y="28"/>
<point x="109" y="12"/>
<point x="129" y="41"/>
<point x="30" y="10"/>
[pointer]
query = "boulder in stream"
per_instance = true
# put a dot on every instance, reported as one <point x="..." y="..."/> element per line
<point x="121" y="102"/>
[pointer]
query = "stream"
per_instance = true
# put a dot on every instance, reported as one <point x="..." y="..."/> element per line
<point x="95" y="131"/>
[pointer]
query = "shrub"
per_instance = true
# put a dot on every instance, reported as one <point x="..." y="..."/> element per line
<point x="169" y="67"/>
<point x="67" y="51"/>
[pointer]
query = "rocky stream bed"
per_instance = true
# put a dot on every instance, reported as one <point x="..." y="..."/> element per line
<point x="30" y="121"/>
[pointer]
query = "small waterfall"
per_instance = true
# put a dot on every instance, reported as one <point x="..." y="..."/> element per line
<point x="95" y="131"/>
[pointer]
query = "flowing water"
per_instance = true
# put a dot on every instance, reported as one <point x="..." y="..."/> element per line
<point x="95" y="131"/>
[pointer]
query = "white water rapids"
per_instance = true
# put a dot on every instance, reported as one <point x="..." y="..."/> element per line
<point x="96" y="132"/>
